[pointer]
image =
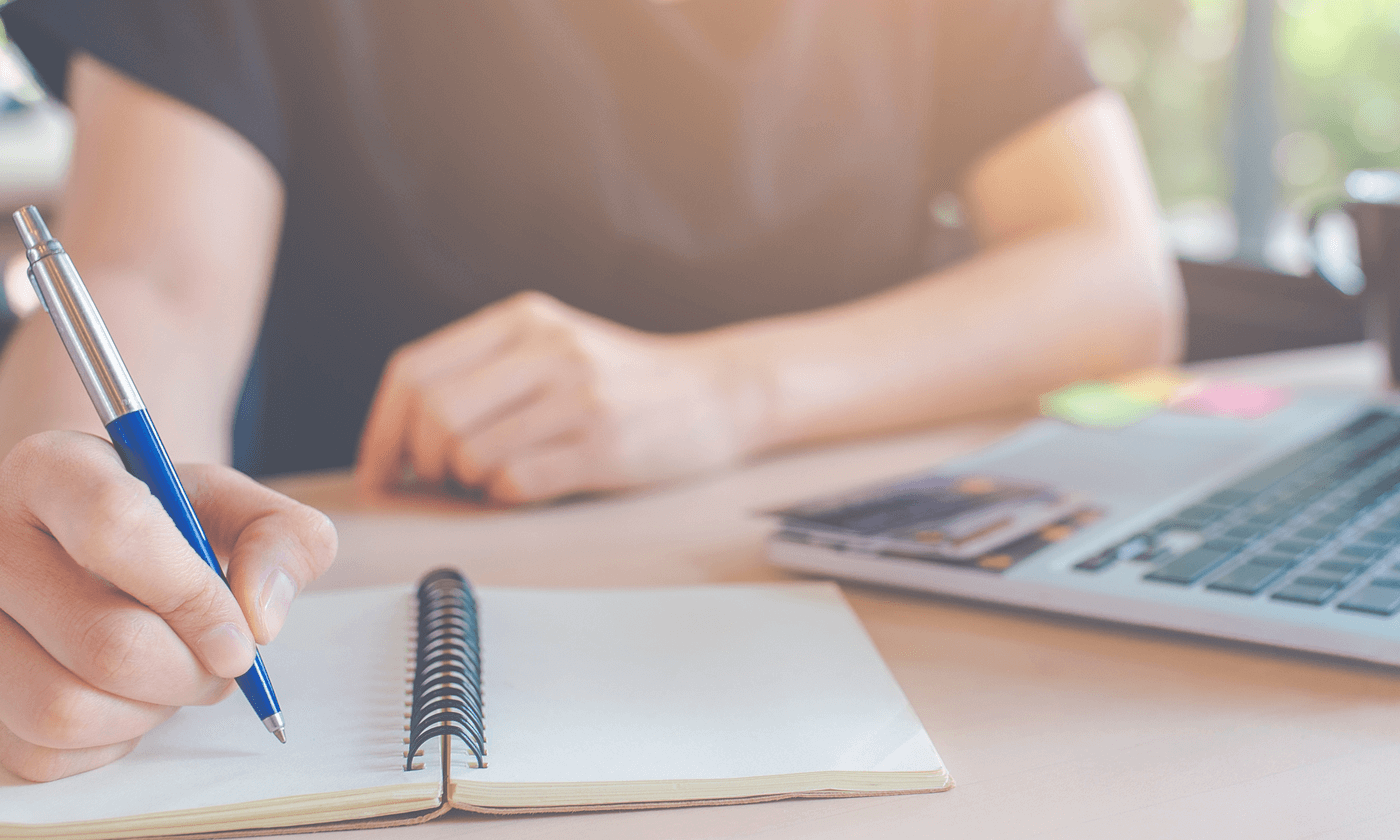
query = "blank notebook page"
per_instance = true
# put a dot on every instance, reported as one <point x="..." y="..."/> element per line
<point x="684" y="684"/>
<point x="339" y="671"/>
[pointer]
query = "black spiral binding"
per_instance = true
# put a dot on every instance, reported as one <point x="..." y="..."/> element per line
<point x="447" y="676"/>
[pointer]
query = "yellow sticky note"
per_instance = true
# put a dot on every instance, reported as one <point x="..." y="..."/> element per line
<point x="1097" y="404"/>
<point x="1155" y="384"/>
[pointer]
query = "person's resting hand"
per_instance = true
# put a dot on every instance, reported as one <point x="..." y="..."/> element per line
<point x="109" y="621"/>
<point x="532" y="399"/>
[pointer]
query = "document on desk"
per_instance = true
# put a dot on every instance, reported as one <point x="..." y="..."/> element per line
<point x="586" y="699"/>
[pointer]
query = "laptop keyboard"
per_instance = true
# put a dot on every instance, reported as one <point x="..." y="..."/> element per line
<point x="1320" y="526"/>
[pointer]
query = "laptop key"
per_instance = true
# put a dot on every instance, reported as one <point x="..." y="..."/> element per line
<point x="1224" y="544"/>
<point x="1266" y="477"/>
<point x="1339" y="571"/>
<point x="1197" y="515"/>
<point x="1379" y="597"/>
<point x="1361" y="551"/>
<point x="1294" y="547"/>
<point x="1189" y="567"/>
<point x="1380" y="536"/>
<point x="1333" y="521"/>
<point x="1247" y="579"/>
<point x="1277" y="561"/>
<point x="1344" y="565"/>
<point x="1308" y="590"/>
<point x="1262" y="523"/>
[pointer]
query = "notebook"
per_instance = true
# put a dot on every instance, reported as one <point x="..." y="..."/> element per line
<point x="583" y="700"/>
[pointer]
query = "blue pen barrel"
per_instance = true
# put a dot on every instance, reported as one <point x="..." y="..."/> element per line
<point x="144" y="455"/>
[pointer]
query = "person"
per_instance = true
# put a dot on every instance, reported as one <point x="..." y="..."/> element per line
<point x="539" y="248"/>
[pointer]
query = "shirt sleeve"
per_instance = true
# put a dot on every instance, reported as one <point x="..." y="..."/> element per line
<point x="1002" y="65"/>
<point x="210" y="54"/>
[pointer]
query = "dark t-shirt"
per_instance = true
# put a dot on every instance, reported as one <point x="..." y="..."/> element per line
<point x="672" y="166"/>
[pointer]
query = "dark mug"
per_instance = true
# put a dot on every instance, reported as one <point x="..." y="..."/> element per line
<point x="1373" y="207"/>
<point x="1378" y="242"/>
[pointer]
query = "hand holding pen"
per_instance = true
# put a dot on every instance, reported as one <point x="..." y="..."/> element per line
<point x="111" y="620"/>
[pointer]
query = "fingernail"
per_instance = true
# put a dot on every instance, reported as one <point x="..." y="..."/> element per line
<point x="227" y="651"/>
<point x="277" y="597"/>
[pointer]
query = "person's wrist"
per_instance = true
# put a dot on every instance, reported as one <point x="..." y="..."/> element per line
<point x="740" y="372"/>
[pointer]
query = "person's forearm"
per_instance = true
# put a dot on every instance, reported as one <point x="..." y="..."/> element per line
<point x="1073" y="281"/>
<point x="987" y="334"/>
<point x="172" y="219"/>
<point x="184" y="381"/>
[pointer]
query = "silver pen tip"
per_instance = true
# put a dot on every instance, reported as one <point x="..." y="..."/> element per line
<point x="31" y="227"/>
<point x="276" y="726"/>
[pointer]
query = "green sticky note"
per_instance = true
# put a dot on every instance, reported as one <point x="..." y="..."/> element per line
<point x="1102" y="405"/>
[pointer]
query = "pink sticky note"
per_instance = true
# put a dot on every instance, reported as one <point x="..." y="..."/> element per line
<point x="1230" y="399"/>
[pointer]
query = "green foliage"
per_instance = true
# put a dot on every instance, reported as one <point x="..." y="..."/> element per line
<point x="1341" y="82"/>
<point x="1338" y="87"/>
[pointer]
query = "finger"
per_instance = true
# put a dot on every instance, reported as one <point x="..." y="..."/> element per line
<point x="44" y="704"/>
<point x="99" y="633"/>
<point x="73" y="485"/>
<point x="569" y="465"/>
<point x="379" y="460"/>
<point x="557" y="413"/>
<point x="429" y="440"/>
<point x="460" y="345"/>
<point x="502" y="388"/>
<point x="275" y="545"/>
<point x="45" y="764"/>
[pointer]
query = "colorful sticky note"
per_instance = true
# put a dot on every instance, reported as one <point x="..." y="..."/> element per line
<point x="1230" y="399"/>
<point x="1155" y="384"/>
<point x="1097" y="404"/>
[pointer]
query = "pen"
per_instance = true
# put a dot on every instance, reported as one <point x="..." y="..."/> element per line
<point x="114" y="395"/>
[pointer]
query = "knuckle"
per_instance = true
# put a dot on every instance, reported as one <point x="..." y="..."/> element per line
<point x="111" y="648"/>
<point x="536" y="304"/>
<point x="117" y="517"/>
<point x="433" y="409"/>
<point x="27" y="459"/>
<point x="201" y="597"/>
<point x="30" y="451"/>
<point x="566" y="342"/>
<point x="63" y="713"/>
<point x="404" y="364"/>
<point x="318" y="537"/>
<point x="577" y="368"/>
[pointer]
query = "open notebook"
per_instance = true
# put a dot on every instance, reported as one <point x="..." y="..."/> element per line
<point x="623" y="698"/>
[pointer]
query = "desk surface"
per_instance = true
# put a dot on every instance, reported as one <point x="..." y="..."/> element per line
<point x="1052" y="727"/>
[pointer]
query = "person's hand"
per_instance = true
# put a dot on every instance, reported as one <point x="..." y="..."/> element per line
<point x="109" y="621"/>
<point x="532" y="399"/>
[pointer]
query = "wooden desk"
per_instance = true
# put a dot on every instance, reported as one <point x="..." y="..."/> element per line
<point x="1052" y="727"/>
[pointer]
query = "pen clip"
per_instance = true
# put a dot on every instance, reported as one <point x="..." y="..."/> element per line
<point x="34" y="282"/>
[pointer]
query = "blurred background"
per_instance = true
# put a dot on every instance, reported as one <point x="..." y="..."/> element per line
<point x="1254" y="114"/>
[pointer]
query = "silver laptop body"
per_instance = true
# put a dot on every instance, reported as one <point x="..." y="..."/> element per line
<point x="1144" y="476"/>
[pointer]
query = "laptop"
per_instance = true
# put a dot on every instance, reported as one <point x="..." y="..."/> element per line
<point x="1282" y="530"/>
